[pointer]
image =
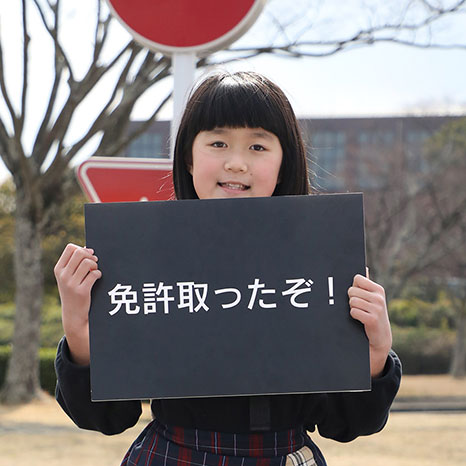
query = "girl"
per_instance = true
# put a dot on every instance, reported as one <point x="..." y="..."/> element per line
<point x="238" y="137"/>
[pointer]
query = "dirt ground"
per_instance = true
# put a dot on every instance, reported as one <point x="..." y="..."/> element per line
<point x="432" y="386"/>
<point x="40" y="434"/>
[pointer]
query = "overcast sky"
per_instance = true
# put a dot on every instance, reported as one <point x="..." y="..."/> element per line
<point x="384" y="79"/>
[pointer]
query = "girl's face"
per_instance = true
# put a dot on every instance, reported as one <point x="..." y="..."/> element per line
<point x="235" y="162"/>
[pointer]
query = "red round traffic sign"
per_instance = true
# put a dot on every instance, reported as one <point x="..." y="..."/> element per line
<point x="185" y="25"/>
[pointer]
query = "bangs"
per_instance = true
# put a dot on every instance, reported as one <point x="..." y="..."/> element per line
<point x="240" y="100"/>
<point x="235" y="103"/>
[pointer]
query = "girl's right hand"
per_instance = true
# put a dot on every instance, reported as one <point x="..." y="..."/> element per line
<point x="76" y="272"/>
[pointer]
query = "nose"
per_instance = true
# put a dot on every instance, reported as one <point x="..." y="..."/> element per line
<point x="236" y="164"/>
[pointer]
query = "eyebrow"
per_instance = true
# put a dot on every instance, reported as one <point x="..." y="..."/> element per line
<point x="261" y="134"/>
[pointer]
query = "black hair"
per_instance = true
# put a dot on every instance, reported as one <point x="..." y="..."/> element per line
<point x="241" y="100"/>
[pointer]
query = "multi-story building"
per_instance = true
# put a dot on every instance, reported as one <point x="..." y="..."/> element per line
<point x="345" y="154"/>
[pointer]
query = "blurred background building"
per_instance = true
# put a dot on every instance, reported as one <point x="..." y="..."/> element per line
<point x="345" y="154"/>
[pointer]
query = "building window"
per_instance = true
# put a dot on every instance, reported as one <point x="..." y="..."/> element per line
<point x="376" y="138"/>
<point x="328" y="159"/>
<point x="414" y="150"/>
<point x="148" y="145"/>
<point x="375" y="154"/>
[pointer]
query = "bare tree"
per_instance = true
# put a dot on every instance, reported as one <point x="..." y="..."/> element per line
<point x="39" y="174"/>
<point x="447" y="195"/>
<point x="457" y="293"/>
<point x="319" y="28"/>
<point x="39" y="167"/>
<point x="416" y="223"/>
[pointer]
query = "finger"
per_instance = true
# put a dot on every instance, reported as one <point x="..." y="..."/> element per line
<point x="367" y="273"/>
<point x="77" y="258"/>
<point x="91" y="278"/>
<point x="65" y="256"/>
<point x="86" y="265"/>
<point x="358" y="303"/>
<point x="366" y="318"/>
<point x="370" y="301"/>
<point x="354" y="292"/>
<point x="362" y="282"/>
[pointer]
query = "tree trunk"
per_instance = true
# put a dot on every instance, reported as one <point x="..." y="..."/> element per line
<point x="458" y="363"/>
<point x="22" y="382"/>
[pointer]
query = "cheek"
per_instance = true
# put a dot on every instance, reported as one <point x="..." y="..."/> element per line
<point x="268" y="179"/>
<point x="204" y="170"/>
<point x="272" y="171"/>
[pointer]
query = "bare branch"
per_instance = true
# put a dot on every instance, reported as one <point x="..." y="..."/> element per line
<point x="53" y="31"/>
<point x="110" y="117"/>
<point x="42" y="144"/>
<point x="61" y="161"/>
<point x="78" y="92"/>
<point x="441" y="11"/>
<point x="146" y="125"/>
<point x="12" y="150"/>
<point x="4" y="92"/>
<point x="101" y="31"/>
<point x="98" y="29"/>
<point x="388" y="32"/>
<point x="6" y="152"/>
<point x="98" y="123"/>
<point x="401" y="26"/>
<point x="24" y="89"/>
<point x="120" y="144"/>
<point x="422" y="46"/>
<point x="39" y="151"/>
<point x="96" y="72"/>
<point x="298" y="49"/>
<point x="430" y="6"/>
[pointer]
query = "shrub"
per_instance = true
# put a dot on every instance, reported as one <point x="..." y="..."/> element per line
<point x="4" y="355"/>
<point x="48" y="379"/>
<point x="415" y="312"/>
<point x="47" y="369"/>
<point x="423" y="350"/>
<point x="51" y="329"/>
<point x="7" y="316"/>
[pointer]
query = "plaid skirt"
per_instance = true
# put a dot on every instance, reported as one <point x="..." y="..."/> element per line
<point x="160" y="445"/>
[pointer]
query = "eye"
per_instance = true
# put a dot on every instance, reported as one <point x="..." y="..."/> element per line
<point x="257" y="147"/>
<point x="218" y="144"/>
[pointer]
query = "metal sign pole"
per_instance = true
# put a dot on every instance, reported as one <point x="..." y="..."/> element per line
<point x="184" y="68"/>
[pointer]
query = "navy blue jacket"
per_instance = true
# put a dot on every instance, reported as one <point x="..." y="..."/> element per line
<point x="339" y="416"/>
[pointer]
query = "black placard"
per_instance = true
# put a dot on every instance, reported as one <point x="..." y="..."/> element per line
<point x="226" y="297"/>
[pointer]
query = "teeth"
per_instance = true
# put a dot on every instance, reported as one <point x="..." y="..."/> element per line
<point x="234" y="186"/>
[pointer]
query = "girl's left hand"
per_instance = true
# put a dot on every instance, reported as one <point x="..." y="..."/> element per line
<point x="368" y="305"/>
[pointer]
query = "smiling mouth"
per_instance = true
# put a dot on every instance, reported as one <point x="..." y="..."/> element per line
<point x="234" y="186"/>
